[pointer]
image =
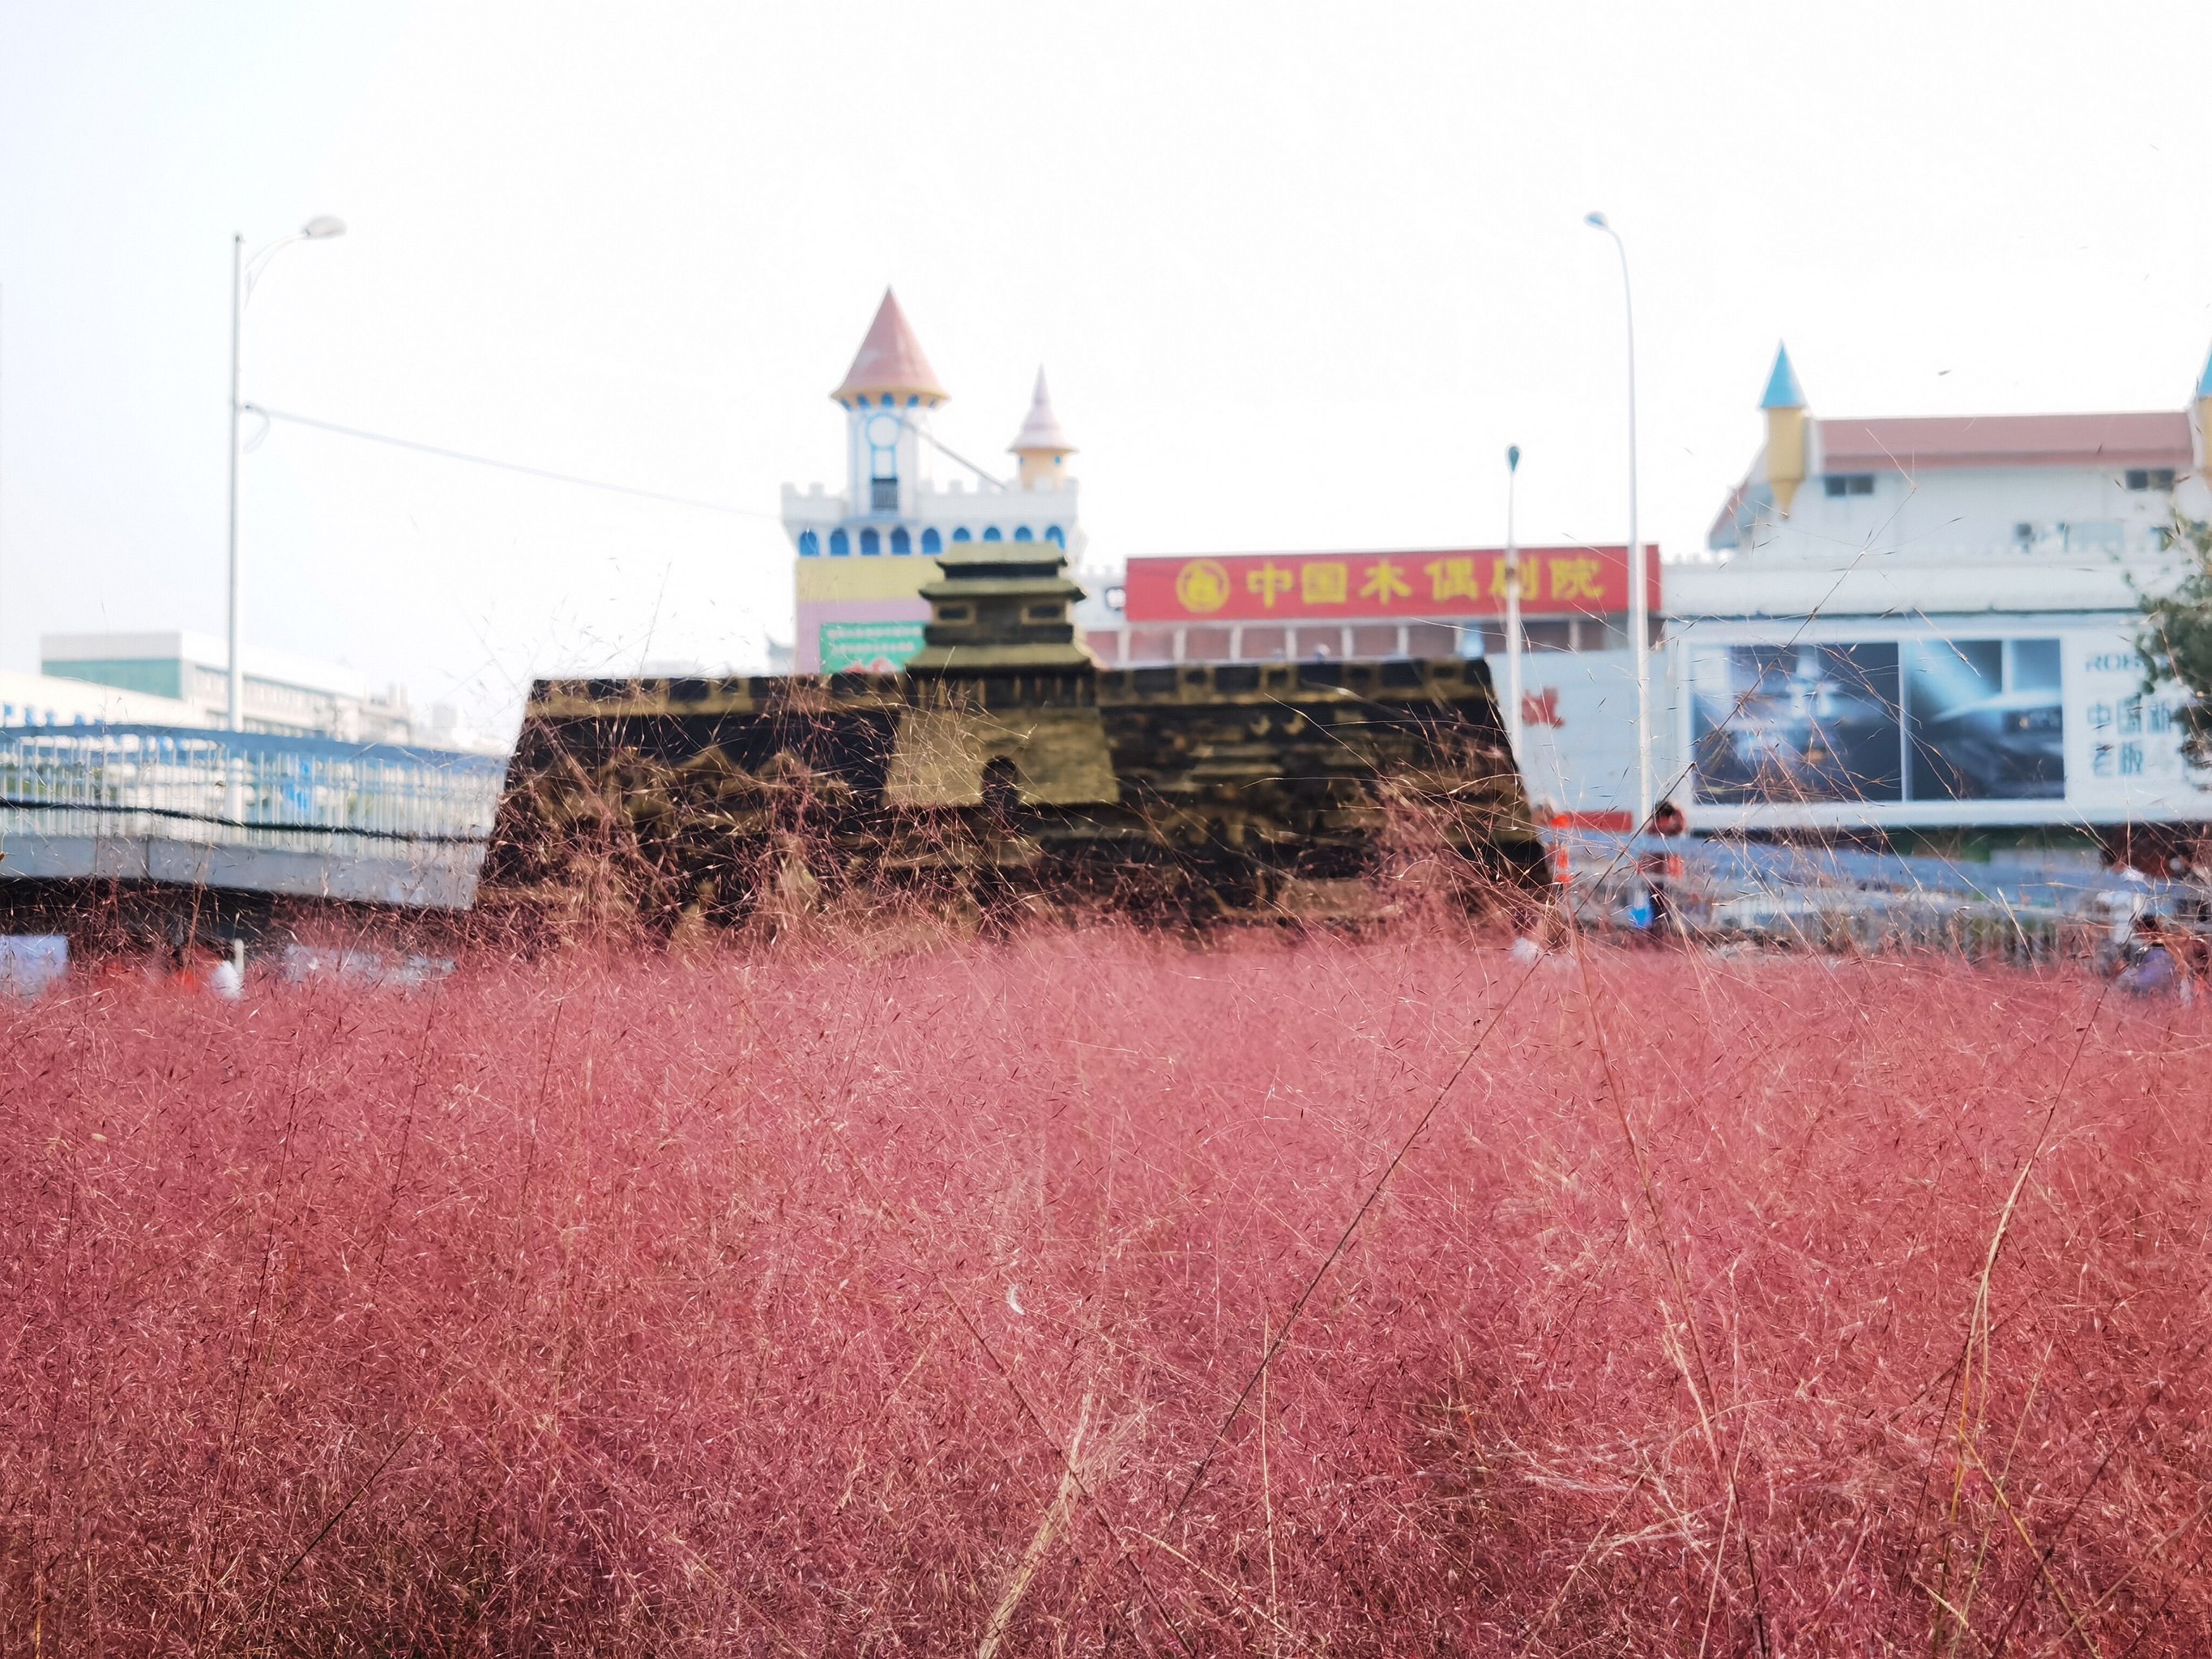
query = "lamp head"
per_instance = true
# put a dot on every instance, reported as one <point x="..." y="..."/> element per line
<point x="322" y="225"/>
<point x="1597" y="219"/>
<point x="1513" y="457"/>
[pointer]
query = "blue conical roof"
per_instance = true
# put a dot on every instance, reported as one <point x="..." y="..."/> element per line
<point x="1781" y="391"/>
<point x="2204" y="380"/>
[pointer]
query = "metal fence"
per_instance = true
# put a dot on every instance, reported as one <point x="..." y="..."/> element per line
<point x="244" y="789"/>
<point x="1723" y="890"/>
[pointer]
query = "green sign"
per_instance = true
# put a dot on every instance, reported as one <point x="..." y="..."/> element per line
<point x="868" y="648"/>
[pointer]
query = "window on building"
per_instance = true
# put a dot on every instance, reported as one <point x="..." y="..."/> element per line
<point x="932" y="543"/>
<point x="1056" y="536"/>
<point x="2150" y="478"/>
<point x="872" y="544"/>
<point x="1022" y="533"/>
<point x="901" y="542"/>
<point x="1602" y="633"/>
<point x="991" y="534"/>
<point x="1850" y="484"/>
<point x="841" y="545"/>
<point x="810" y="544"/>
<point x="1044" y="613"/>
<point x="961" y="535"/>
<point x="883" y="495"/>
<point x="1550" y="636"/>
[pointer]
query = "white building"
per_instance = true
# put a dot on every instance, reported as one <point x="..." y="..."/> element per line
<point x="864" y="553"/>
<point x="187" y="674"/>
<point x="50" y="700"/>
<point x="1929" y="623"/>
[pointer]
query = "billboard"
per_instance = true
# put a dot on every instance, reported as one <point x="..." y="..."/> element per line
<point x="1797" y="723"/>
<point x="1986" y="720"/>
<point x="868" y="648"/>
<point x="845" y="635"/>
<point x="1324" y="587"/>
<point x="2032" y="728"/>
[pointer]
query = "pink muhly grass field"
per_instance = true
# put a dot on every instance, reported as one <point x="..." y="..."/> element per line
<point x="819" y="1299"/>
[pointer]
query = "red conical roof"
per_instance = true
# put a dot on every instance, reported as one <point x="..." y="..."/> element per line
<point x="890" y="359"/>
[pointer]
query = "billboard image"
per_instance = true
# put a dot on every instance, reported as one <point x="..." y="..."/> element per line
<point x="1985" y="719"/>
<point x="1792" y="723"/>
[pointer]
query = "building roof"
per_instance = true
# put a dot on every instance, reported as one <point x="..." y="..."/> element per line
<point x="1041" y="434"/>
<point x="203" y="651"/>
<point x="1782" y="390"/>
<point x="2157" y="438"/>
<point x="890" y="359"/>
<point x="2204" y="380"/>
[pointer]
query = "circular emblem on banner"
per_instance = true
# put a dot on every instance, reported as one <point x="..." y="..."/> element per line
<point x="1202" y="585"/>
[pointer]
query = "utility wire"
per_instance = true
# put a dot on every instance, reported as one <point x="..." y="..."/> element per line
<point x="504" y="466"/>
<point x="996" y="483"/>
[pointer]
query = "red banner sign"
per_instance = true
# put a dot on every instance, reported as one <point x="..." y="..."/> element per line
<point x="1555" y="581"/>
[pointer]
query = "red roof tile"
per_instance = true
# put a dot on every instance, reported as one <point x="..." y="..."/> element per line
<point x="890" y="359"/>
<point x="1918" y="444"/>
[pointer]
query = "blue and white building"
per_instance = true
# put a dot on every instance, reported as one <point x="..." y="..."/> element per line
<point x="862" y="553"/>
<point x="1929" y="624"/>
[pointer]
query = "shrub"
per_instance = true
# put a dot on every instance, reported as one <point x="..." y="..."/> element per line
<point x="805" y="1298"/>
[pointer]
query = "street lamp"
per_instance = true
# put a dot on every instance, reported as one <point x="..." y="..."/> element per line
<point x="1512" y="611"/>
<point x="244" y="274"/>
<point x="1639" y="591"/>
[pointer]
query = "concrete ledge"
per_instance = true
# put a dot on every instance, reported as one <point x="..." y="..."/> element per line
<point x="436" y="877"/>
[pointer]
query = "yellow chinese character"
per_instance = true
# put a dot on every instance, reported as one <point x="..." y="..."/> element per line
<point x="1576" y="578"/>
<point x="1451" y="579"/>
<point x="1384" y="581"/>
<point x="1269" y="581"/>
<point x="1322" y="583"/>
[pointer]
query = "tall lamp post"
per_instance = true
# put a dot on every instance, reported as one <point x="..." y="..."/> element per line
<point x="1639" y="590"/>
<point x="1512" y="613"/>
<point x="244" y="274"/>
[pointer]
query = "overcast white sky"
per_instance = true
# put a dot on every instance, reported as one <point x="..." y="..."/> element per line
<point x="1299" y="274"/>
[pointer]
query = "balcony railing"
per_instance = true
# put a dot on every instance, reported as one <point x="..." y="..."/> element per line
<point x="245" y="789"/>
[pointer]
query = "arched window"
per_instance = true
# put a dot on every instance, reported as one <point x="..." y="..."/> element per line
<point x="901" y="542"/>
<point x="1022" y="533"/>
<point x="840" y="544"/>
<point x="810" y="544"/>
<point x="1002" y="789"/>
<point x="932" y="543"/>
<point x="992" y="534"/>
<point x="961" y="535"/>
<point x="872" y="544"/>
<point x="1056" y="536"/>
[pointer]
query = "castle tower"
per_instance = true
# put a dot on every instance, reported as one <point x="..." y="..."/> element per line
<point x="1041" y="448"/>
<point x="887" y="395"/>
<point x="865" y="552"/>
<point x="1786" y="459"/>
<point x="1002" y="606"/>
<point x="1005" y="705"/>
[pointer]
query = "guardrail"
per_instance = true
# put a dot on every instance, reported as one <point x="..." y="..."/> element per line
<point x="244" y="789"/>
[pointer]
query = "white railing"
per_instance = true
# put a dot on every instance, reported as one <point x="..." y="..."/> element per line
<point x="244" y="789"/>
